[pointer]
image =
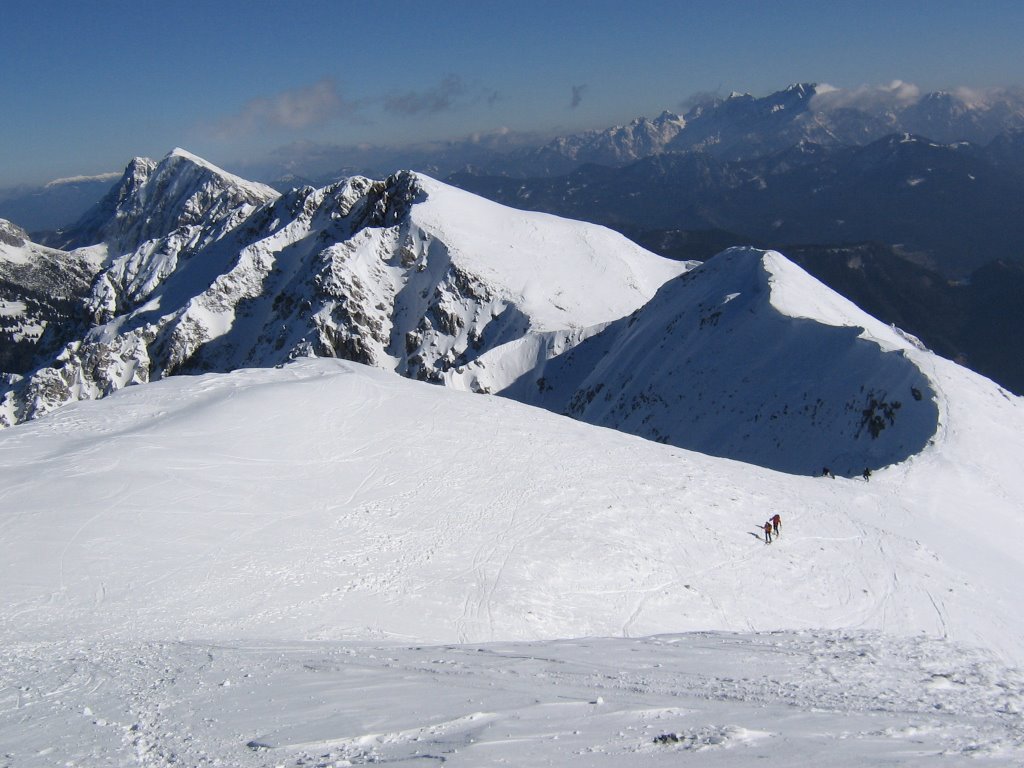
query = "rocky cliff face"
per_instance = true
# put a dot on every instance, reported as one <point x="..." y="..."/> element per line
<point x="43" y="299"/>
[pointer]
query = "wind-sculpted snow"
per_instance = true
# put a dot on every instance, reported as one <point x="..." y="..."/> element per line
<point x="750" y="358"/>
<point x="842" y="699"/>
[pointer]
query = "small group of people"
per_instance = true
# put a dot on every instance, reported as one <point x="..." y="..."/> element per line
<point x="773" y="526"/>
<point x="826" y="472"/>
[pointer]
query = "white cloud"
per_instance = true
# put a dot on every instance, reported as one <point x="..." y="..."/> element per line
<point x="451" y="93"/>
<point x="293" y="110"/>
<point x="866" y="97"/>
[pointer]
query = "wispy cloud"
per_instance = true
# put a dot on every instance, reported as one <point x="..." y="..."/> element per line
<point x="293" y="110"/>
<point x="866" y="97"/>
<point x="577" y="95"/>
<point x="698" y="98"/>
<point x="451" y="93"/>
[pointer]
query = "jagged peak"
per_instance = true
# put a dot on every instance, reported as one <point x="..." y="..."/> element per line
<point x="802" y="89"/>
<point x="177" y="156"/>
<point x="155" y="197"/>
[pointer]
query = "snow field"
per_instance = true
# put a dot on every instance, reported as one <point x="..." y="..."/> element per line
<point x="780" y="699"/>
<point x="329" y="501"/>
<point x="326" y="564"/>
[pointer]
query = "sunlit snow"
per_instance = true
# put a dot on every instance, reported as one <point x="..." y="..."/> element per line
<point x="329" y="563"/>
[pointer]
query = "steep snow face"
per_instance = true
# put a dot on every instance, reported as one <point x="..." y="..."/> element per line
<point x="327" y="500"/>
<point x="562" y="274"/>
<point x="406" y="274"/>
<point x="751" y="358"/>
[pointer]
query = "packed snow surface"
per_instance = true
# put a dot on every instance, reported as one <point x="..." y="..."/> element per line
<point x="326" y="564"/>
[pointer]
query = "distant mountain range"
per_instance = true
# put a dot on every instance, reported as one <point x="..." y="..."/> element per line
<point x="913" y="189"/>
<point x="737" y="127"/>
<point x="951" y="206"/>
<point x="741" y="126"/>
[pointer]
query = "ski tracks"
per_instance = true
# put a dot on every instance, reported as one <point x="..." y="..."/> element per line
<point x="490" y="561"/>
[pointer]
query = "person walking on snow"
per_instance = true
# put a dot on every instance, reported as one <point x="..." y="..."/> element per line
<point x="776" y="523"/>
<point x="768" y="532"/>
<point x="867" y="473"/>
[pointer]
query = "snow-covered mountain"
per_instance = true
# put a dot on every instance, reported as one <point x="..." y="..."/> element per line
<point x="746" y="357"/>
<point x="300" y="561"/>
<point x="749" y="357"/>
<point x="742" y="126"/>
<point x="206" y="272"/>
<point x="182" y="194"/>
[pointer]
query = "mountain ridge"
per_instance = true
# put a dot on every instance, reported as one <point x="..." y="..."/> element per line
<point x="436" y="284"/>
<point x="373" y="271"/>
<point x="701" y="367"/>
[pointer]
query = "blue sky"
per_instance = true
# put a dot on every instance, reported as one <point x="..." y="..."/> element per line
<point x="85" y="86"/>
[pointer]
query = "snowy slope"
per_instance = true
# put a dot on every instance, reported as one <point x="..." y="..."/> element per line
<point x="246" y="568"/>
<point x="327" y="501"/>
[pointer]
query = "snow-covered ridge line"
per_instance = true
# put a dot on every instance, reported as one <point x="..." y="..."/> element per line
<point x="204" y="271"/>
<point x="749" y="357"/>
<point x="796" y="294"/>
